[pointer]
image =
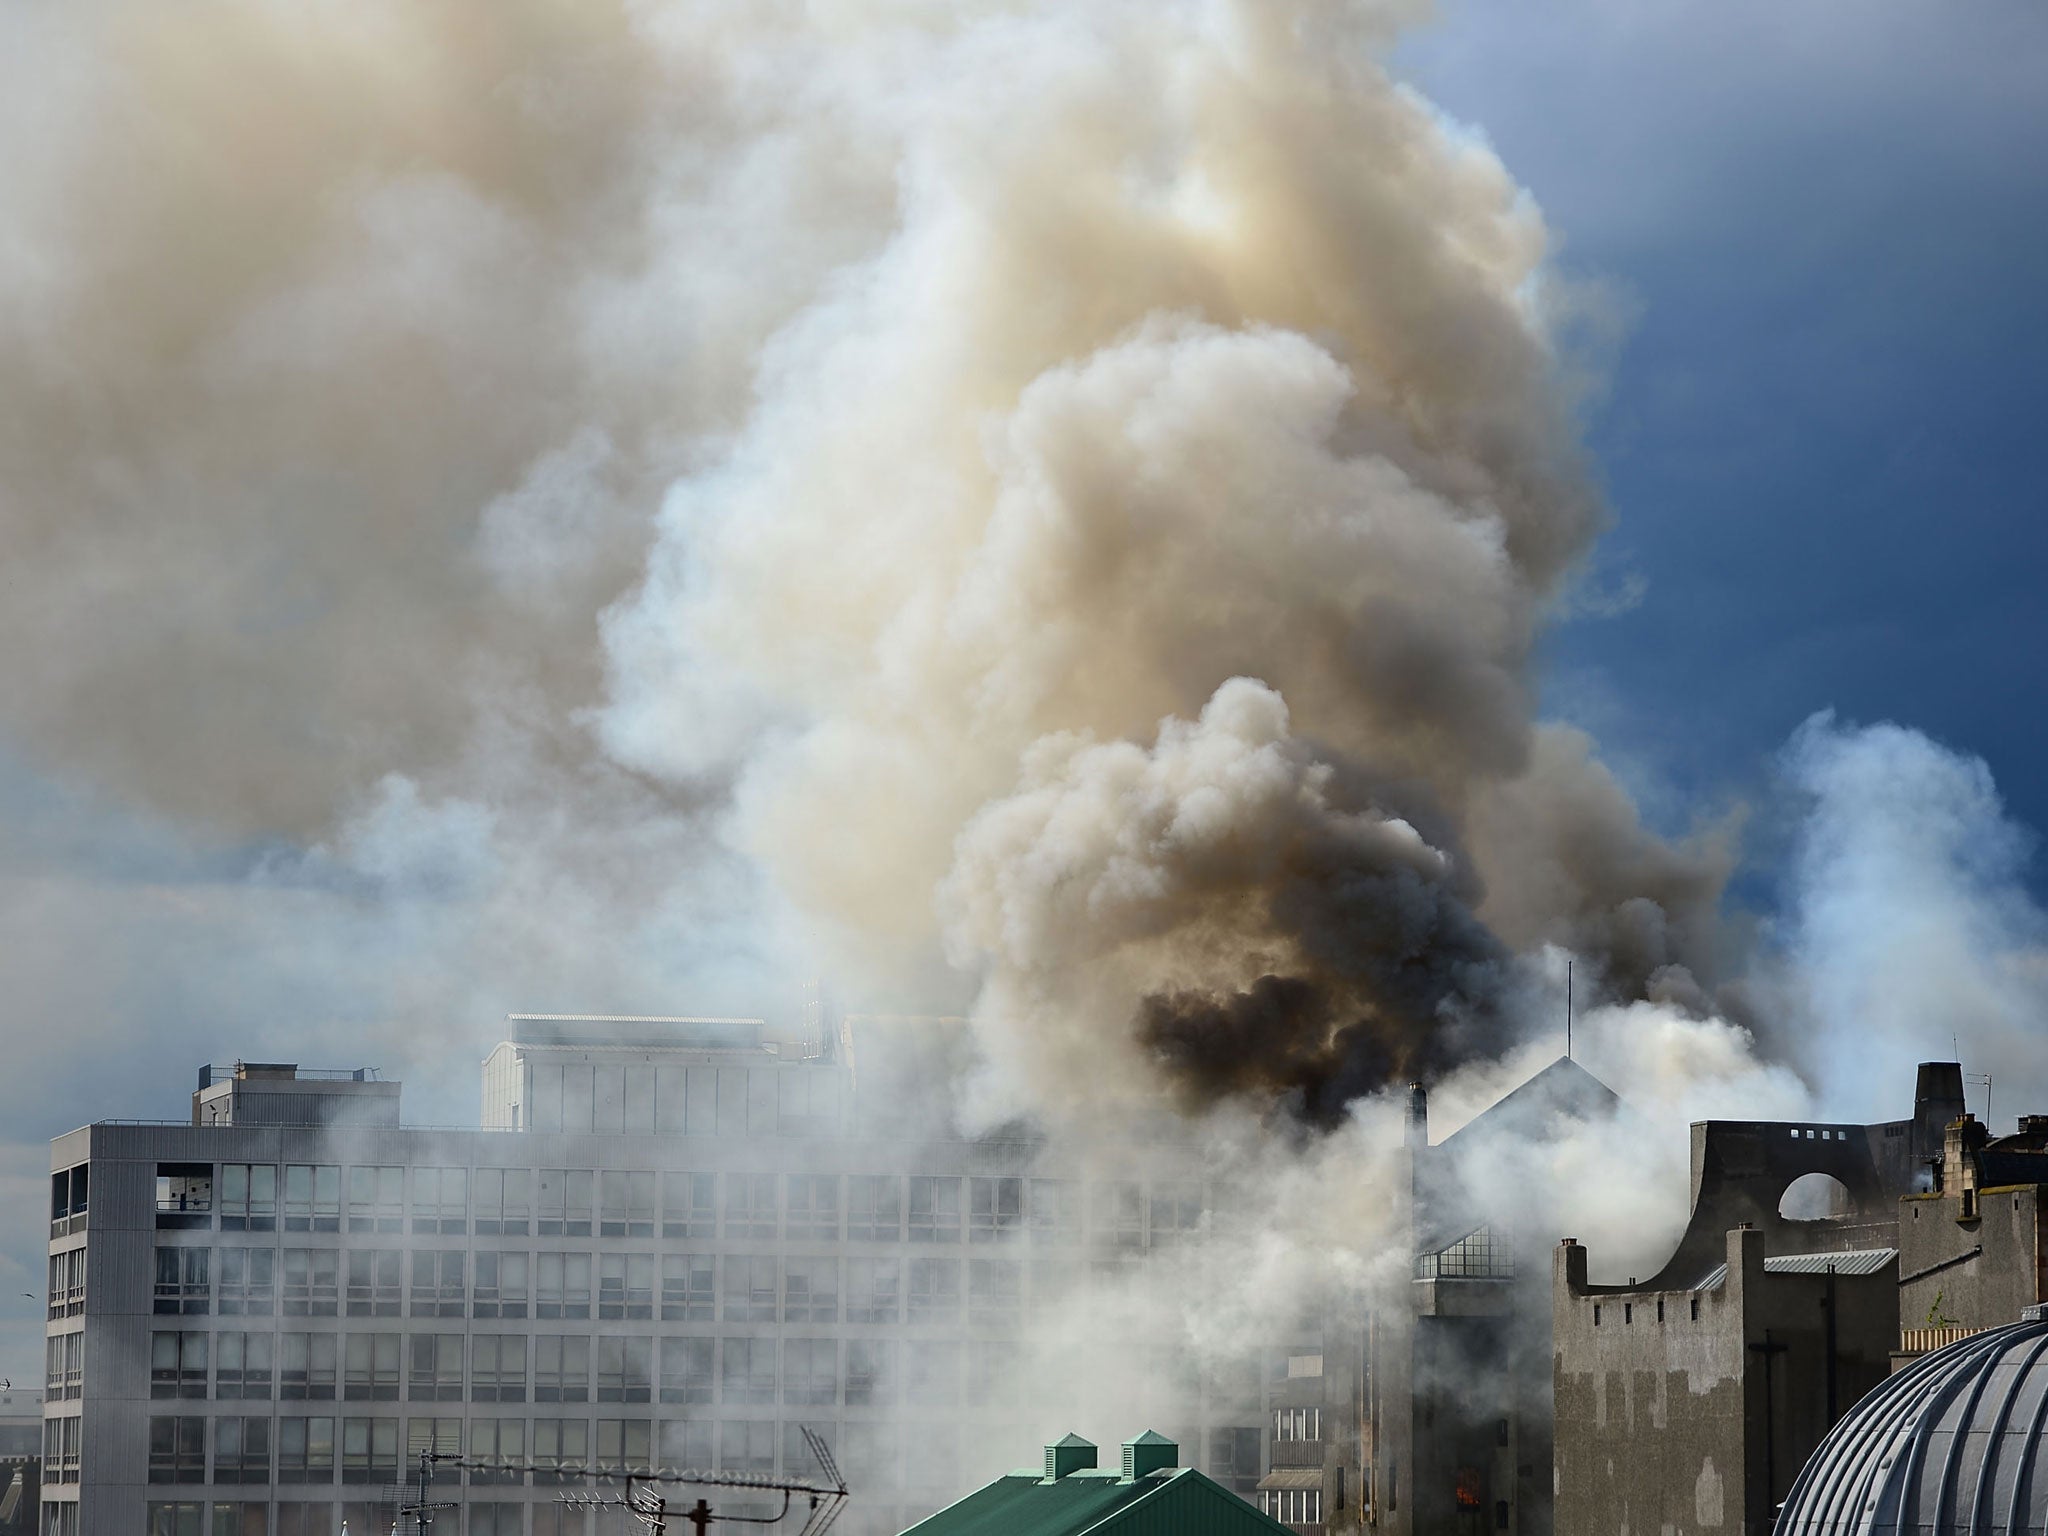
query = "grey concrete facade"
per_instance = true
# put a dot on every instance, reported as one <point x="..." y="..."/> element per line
<point x="1689" y="1403"/>
<point x="256" y="1326"/>
<point x="1973" y="1253"/>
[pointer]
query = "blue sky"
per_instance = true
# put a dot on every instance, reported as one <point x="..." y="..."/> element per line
<point x="1823" y="434"/>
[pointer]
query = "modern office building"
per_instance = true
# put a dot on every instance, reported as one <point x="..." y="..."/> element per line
<point x="671" y="1242"/>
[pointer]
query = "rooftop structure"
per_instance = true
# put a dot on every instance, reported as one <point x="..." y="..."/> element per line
<point x="1956" y="1443"/>
<point x="1149" y="1495"/>
<point x="1691" y="1400"/>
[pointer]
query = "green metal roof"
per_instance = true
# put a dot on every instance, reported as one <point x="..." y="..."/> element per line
<point x="1181" y="1502"/>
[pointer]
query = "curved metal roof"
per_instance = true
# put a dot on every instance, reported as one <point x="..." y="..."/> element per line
<point x="1957" y="1442"/>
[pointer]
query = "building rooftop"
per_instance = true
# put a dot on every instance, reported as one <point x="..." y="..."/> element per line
<point x="1952" y="1443"/>
<point x="1070" y="1496"/>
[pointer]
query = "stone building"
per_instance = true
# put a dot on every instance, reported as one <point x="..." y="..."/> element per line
<point x="1688" y="1403"/>
<point x="1973" y="1250"/>
<point x="1457" y="1385"/>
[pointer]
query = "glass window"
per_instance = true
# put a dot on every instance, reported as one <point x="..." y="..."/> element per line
<point x="870" y="1372"/>
<point x="995" y="1209"/>
<point x="435" y="1370"/>
<point x="370" y="1368"/>
<point x="178" y="1364"/>
<point x="813" y="1207"/>
<point x="625" y="1285"/>
<point x="747" y="1445"/>
<point x="1176" y="1212"/>
<point x="241" y="1519"/>
<point x="248" y="1197"/>
<point x="437" y="1436"/>
<point x="440" y="1201"/>
<point x="369" y="1451"/>
<point x="561" y="1369"/>
<point x="373" y="1285"/>
<point x="564" y="1202"/>
<point x="626" y="1204"/>
<point x="67" y="1283"/>
<point x="1054" y="1210"/>
<point x="177" y="1449"/>
<point x="500" y="1444"/>
<point x="688" y="1205"/>
<point x="688" y="1290"/>
<point x="686" y="1372"/>
<point x="305" y="1452"/>
<point x="501" y="1285"/>
<point x="562" y="1285"/>
<point x="748" y="1375"/>
<point x="312" y="1282"/>
<point x="750" y="1205"/>
<point x="810" y="1371"/>
<point x="497" y="1368"/>
<point x="625" y="1443"/>
<point x="810" y="1290"/>
<point x="312" y="1197"/>
<point x="686" y="1445"/>
<point x="874" y="1290"/>
<point x="750" y="1289"/>
<point x="625" y="1369"/>
<point x="376" y="1199"/>
<point x="503" y="1198"/>
<point x="874" y="1208"/>
<point x="176" y="1520"/>
<point x="438" y="1288"/>
<point x="307" y="1366"/>
<point x="563" y="1443"/>
<point x="935" y="1209"/>
<point x="245" y="1365"/>
<point x="934" y="1291"/>
<point x="1119" y="1214"/>
<point x="64" y="1369"/>
<point x="184" y="1280"/>
<point x="248" y="1282"/>
<point x="241" y="1449"/>
<point x="62" y="1438"/>
<point x="300" y="1519"/>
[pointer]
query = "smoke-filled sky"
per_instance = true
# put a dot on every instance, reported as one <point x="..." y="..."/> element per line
<point x="1222" y="539"/>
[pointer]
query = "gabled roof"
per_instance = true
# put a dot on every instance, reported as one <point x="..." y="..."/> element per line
<point x="1564" y="1088"/>
<point x="1099" y="1503"/>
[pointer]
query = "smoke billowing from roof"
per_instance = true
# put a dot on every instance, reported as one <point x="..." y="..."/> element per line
<point x="1144" y="548"/>
<point x="1117" y="464"/>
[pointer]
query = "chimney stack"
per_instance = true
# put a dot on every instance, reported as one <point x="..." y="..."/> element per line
<point x="1415" y="1132"/>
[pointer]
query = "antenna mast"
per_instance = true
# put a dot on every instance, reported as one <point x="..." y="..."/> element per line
<point x="1567" y="1010"/>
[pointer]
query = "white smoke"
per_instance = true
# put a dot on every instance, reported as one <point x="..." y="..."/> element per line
<point x="1913" y="934"/>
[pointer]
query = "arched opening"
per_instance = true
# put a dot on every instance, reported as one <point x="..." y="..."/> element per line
<point x="1814" y="1197"/>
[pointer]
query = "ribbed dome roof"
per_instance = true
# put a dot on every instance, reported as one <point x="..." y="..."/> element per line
<point x="1956" y="1443"/>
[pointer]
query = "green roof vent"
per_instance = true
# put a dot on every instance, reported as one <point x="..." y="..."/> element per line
<point x="1148" y="1453"/>
<point x="1069" y="1454"/>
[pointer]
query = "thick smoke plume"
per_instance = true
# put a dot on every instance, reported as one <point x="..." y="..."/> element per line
<point x="1018" y="377"/>
<point x="1200" y="352"/>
